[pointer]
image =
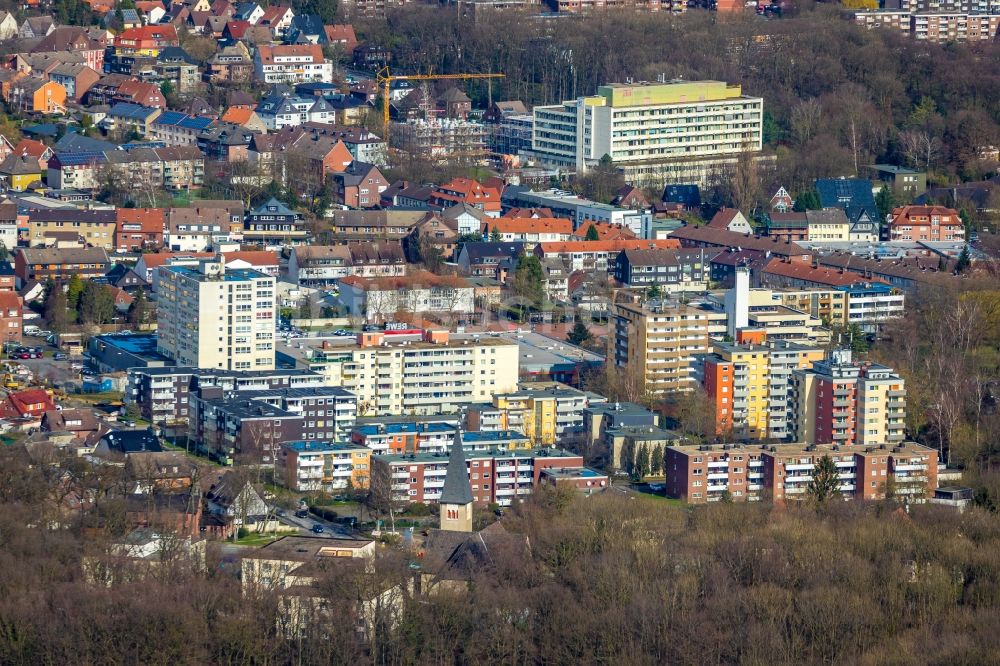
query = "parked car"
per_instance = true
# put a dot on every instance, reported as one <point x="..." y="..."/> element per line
<point x="302" y="513"/>
<point x="61" y="356"/>
<point x="317" y="529"/>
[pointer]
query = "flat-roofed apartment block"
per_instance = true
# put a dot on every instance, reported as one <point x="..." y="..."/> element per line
<point x="433" y="375"/>
<point x="706" y="473"/>
<point x="843" y="402"/>
<point x="655" y="346"/>
<point x="750" y="387"/>
<point x="683" y="131"/>
<point x="213" y="317"/>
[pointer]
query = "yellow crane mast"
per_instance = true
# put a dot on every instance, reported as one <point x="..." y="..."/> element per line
<point x="384" y="79"/>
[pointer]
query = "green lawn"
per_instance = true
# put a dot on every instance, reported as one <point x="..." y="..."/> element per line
<point x="256" y="540"/>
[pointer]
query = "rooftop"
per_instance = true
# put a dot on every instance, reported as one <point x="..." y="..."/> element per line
<point x="518" y="454"/>
<point x="323" y="447"/>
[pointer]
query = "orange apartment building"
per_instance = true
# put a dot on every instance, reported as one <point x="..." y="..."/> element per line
<point x="926" y="223"/>
<point x="749" y="385"/>
<point x="704" y="473"/>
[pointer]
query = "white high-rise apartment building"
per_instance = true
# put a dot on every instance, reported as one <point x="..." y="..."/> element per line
<point x="209" y="316"/>
<point x="683" y="130"/>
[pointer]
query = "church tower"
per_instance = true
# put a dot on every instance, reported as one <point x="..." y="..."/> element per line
<point x="456" y="495"/>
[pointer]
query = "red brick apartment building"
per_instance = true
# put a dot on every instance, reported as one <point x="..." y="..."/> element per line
<point x="699" y="474"/>
<point x="497" y="476"/>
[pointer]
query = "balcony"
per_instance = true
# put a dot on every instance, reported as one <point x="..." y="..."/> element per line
<point x="798" y="467"/>
<point x="802" y="478"/>
<point x="718" y="476"/>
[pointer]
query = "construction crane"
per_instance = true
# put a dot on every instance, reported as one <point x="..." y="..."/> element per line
<point x="384" y="80"/>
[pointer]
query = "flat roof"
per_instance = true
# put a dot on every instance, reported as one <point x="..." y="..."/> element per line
<point x="401" y="428"/>
<point x="303" y="548"/>
<point x="573" y="473"/>
<point x="140" y="344"/>
<point x="324" y="447"/>
<point x="480" y="455"/>
<point x="539" y="351"/>
<point x="230" y="274"/>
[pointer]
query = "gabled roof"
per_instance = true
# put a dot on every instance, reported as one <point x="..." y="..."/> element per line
<point x="806" y="272"/>
<point x="273" y="207"/>
<point x="567" y="247"/>
<point x="483" y="249"/>
<point x="529" y="225"/>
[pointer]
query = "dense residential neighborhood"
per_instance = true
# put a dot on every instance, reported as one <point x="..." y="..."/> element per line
<point x="487" y="332"/>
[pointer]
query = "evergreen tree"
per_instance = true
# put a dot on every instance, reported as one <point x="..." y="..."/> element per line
<point x="528" y="280"/>
<point x="579" y="334"/>
<point x="807" y="200"/>
<point x="138" y="312"/>
<point x="656" y="462"/>
<point x="495" y="236"/>
<point x="653" y="293"/>
<point x="964" y="261"/>
<point x="858" y="339"/>
<point x="825" y="482"/>
<point x="592" y="234"/>
<point x="886" y="201"/>
<point x="56" y="312"/>
<point x="97" y="306"/>
<point x="74" y="289"/>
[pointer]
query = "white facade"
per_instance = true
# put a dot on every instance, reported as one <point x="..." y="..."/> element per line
<point x="417" y="377"/>
<point x="377" y="305"/>
<point x="668" y="129"/>
<point x="211" y="317"/>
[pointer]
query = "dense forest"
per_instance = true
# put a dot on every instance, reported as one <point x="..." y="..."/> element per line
<point x="836" y="96"/>
<point x="608" y="579"/>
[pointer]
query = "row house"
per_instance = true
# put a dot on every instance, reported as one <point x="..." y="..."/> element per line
<point x="364" y="226"/>
<point x="496" y="477"/>
<point x="529" y="230"/>
<point x="178" y="129"/>
<point x="321" y="266"/>
<point x="492" y="260"/>
<point x="363" y="145"/>
<point x="44" y="264"/>
<point x="379" y="299"/>
<point x="95" y="228"/>
<point x="598" y="255"/>
<point x="711" y="473"/>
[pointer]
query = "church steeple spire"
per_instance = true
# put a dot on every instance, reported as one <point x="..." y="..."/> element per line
<point x="456" y="495"/>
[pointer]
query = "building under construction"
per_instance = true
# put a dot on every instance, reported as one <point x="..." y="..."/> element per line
<point x="455" y="140"/>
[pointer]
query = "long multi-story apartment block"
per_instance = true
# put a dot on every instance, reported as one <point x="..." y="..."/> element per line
<point x="681" y="131"/>
<point x="545" y="412"/>
<point x="707" y="473"/>
<point x="935" y="24"/>
<point x="396" y="374"/>
<point x="749" y="386"/>
<point x="654" y="346"/>
<point x="840" y="401"/>
<point x="496" y="476"/>
<point x="214" y="317"/>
